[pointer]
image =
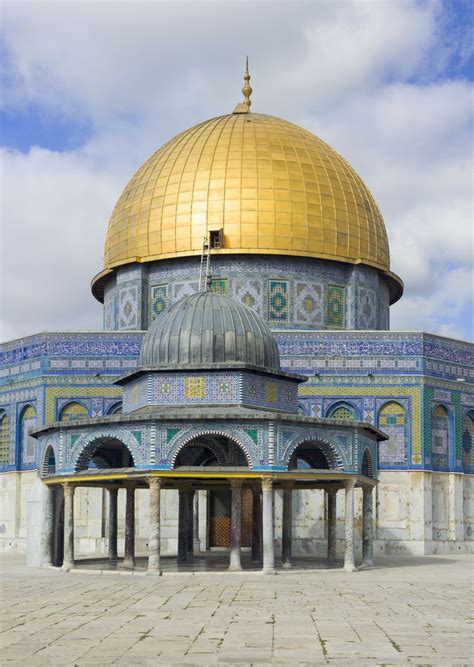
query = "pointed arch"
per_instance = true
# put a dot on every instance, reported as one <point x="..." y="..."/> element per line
<point x="206" y="434"/>
<point x="468" y="441"/>
<point x="343" y="410"/>
<point x="115" y="408"/>
<point x="5" y="438"/>
<point x="440" y="437"/>
<point x="325" y="448"/>
<point x="367" y="465"/>
<point x="105" y="451"/>
<point x="392" y="420"/>
<point x="73" y="411"/>
<point x="49" y="461"/>
<point x="26" y="444"/>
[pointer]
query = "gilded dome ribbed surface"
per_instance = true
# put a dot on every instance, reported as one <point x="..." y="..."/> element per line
<point x="207" y="328"/>
<point x="273" y="187"/>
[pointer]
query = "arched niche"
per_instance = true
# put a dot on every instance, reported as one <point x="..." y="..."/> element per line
<point x="105" y="452"/>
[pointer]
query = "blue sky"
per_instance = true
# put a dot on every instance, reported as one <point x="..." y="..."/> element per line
<point x="90" y="90"/>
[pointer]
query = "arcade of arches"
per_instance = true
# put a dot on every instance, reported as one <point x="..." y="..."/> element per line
<point x="239" y="501"/>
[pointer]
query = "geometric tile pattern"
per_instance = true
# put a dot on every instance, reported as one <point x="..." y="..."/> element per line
<point x="5" y="439"/>
<point x="440" y="438"/>
<point x="27" y="444"/>
<point x="158" y="300"/>
<point x="309" y="304"/>
<point x="220" y="285"/>
<point x="128" y="307"/>
<point x="278" y="301"/>
<point x="249" y="292"/>
<point x="392" y="420"/>
<point x="366" y="309"/>
<point x="468" y="442"/>
<point x="335" y="307"/>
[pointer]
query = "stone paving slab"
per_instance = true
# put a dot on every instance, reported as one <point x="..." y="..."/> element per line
<point x="406" y="611"/>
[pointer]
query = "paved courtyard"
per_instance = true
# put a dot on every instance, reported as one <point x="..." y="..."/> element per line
<point x="405" y="611"/>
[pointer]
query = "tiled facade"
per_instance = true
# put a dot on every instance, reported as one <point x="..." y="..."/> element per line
<point x="197" y="388"/>
<point x="382" y="376"/>
<point x="287" y="292"/>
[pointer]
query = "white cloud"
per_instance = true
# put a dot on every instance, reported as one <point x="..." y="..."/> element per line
<point x="369" y="78"/>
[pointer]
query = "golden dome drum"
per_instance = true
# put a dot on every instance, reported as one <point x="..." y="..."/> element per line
<point x="273" y="187"/>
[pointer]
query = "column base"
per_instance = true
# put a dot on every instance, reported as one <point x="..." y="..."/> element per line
<point x="128" y="562"/>
<point x="66" y="567"/>
<point x="269" y="570"/>
<point x="287" y="565"/>
<point x="350" y="567"/>
<point x="156" y="573"/>
<point x="368" y="563"/>
<point x="234" y="568"/>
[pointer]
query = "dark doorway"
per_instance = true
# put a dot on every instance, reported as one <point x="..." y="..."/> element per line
<point x="219" y="518"/>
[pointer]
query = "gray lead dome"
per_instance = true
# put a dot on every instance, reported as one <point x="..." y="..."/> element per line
<point x="209" y="328"/>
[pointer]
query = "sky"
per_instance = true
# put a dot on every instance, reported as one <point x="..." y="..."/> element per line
<point x="89" y="90"/>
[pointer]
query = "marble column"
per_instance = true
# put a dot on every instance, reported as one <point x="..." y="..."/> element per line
<point x="154" y="564"/>
<point x="331" y="495"/>
<point x="235" y="524"/>
<point x="112" y="527"/>
<point x="287" y="523"/>
<point x="182" y="525"/>
<point x="190" y="524"/>
<point x="256" y="523"/>
<point x="349" y="561"/>
<point x="129" y="555"/>
<point x="367" y="527"/>
<point x="196" y="540"/>
<point x="68" y="560"/>
<point x="268" y="526"/>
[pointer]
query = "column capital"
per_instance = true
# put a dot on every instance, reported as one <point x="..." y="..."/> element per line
<point x="331" y="490"/>
<point x="367" y="490"/>
<point x="112" y="489"/>
<point x="287" y="484"/>
<point x="267" y="483"/>
<point x="349" y="484"/>
<point x="130" y="484"/>
<point x="155" y="481"/>
<point x="68" y="487"/>
<point x="235" y="483"/>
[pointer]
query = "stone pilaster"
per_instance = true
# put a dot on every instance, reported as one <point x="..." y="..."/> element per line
<point x="129" y="555"/>
<point x="331" y="495"/>
<point x="68" y="561"/>
<point x="256" y="523"/>
<point x="349" y="560"/>
<point x="268" y="526"/>
<point x="154" y="562"/>
<point x="235" y="524"/>
<point x="367" y="527"/>
<point x="287" y="523"/>
<point x="112" y="527"/>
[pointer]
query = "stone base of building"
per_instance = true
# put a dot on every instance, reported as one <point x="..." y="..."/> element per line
<point x="417" y="513"/>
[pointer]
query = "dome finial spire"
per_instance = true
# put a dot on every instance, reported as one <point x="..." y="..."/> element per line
<point x="244" y="107"/>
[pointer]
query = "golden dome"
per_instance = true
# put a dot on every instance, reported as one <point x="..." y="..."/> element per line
<point x="272" y="186"/>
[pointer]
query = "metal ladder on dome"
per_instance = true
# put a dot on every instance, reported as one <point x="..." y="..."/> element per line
<point x="205" y="278"/>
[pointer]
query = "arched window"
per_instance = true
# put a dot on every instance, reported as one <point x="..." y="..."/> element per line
<point x="49" y="464"/>
<point x="4" y="439"/>
<point x="73" y="411"/>
<point x="367" y="467"/>
<point x="440" y="437"/>
<point x="26" y="444"/>
<point x="115" y="409"/>
<point x="342" y="411"/>
<point x="468" y="442"/>
<point x="392" y="421"/>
